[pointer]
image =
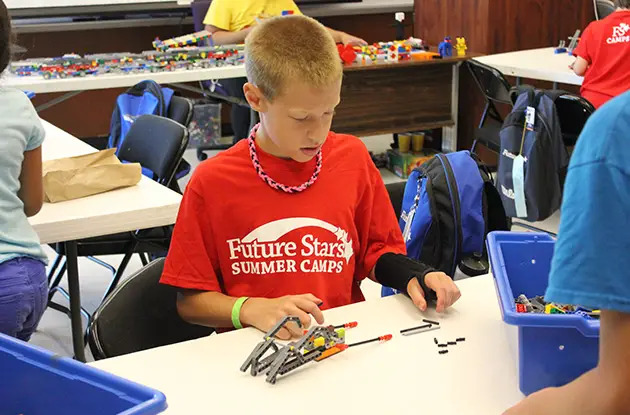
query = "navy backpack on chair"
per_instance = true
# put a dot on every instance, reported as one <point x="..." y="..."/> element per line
<point x="532" y="188"/>
<point x="449" y="206"/>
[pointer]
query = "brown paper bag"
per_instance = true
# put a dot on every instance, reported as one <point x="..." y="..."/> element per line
<point x="76" y="177"/>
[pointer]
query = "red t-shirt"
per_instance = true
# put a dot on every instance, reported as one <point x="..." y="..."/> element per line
<point x="237" y="235"/>
<point x="605" y="44"/>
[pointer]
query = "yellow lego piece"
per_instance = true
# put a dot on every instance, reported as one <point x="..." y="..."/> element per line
<point x="461" y="47"/>
<point x="319" y="342"/>
<point x="341" y="332"/>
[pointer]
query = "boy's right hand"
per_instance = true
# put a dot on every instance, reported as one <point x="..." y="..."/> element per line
<point x="264" y="313"/>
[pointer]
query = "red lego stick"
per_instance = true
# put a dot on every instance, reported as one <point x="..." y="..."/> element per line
<point x="384" y="338"/>
<point x="350" y="325"/>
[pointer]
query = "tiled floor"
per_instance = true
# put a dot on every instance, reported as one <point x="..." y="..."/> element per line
<point x="53" y="332"/>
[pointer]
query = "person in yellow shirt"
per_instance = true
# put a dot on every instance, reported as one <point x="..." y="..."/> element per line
<point x="230" y="21"/>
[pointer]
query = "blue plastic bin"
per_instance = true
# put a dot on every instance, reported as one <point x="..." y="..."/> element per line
<point x="554" y="349"/>
<point x="34" y="381"/>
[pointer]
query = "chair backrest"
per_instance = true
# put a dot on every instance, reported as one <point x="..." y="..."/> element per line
<point x="396" y="192"/>
<point x="199" y="11"/>
<point x="180" y="110"/>
<point x="140" y="314"/>
<point x="603" y="8"/>
<point x="573" y="112"/>
<point x="491" y="82"/>
<point x="157" y="143"/>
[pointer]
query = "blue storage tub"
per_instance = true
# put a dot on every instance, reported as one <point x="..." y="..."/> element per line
<point x="554" y="349"/>
<point x="34" y="381"/>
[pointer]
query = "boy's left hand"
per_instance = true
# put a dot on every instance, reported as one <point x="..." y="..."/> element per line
<point x="347" y="39"/>
<point x="446" y="290"/>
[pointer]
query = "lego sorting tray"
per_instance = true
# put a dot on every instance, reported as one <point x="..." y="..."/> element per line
<point x="35" y="381"/>
<point x="554" y="349"/>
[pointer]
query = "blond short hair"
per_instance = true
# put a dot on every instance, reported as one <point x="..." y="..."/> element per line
<point x="295" y="48"/>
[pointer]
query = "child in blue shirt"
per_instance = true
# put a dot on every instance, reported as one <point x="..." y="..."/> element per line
<point x="23" y="283"/>
<point x="591" y="263"/>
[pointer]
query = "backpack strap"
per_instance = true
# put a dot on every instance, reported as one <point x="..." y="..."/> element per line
<point x="114" y="128"/>
<point x="526" y="89"/>
<point x="554" y="94"/>
<point x="154" y="88"/>
<point x="137" y="89"/>
<point x="537" y="99"/>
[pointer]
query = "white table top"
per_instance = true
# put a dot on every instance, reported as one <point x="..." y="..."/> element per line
<point x="145" y="205"/>
<point x="404" y="375"/>
<point x="40" y="85"/>
<point x="542" y="64"/>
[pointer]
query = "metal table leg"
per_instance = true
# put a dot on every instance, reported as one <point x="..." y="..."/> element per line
<point x="58" y="100"/>
<point x="75" y="301"/>
<point x="449" y="134"/>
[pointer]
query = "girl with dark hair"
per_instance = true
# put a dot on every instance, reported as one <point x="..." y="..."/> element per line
<point x="23" y="283"/>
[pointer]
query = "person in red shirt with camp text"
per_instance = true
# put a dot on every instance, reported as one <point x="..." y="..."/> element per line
<point x="603" y="56"/>
<point x="290" y="221"/>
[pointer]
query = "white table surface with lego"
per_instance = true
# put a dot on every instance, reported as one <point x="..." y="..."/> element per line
<point x="40" y="85"/>
<point x="403" y="376"/>
<point x="144" y="205"/>
<point x="542" y="64"/>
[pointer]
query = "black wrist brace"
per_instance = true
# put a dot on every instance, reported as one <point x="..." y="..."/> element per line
<point x="396" y="270"/>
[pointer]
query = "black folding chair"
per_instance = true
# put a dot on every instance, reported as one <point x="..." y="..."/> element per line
<point x="573" y="111"/>
<point x="158" y="144"/>
<point x="181" y="111"/>
<point x="496" y="90"/>
<point x="603" y="8"/>
<point x="140" y="314"/>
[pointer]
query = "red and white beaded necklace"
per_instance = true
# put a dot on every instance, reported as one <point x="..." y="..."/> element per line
<point x="271" y="182"/>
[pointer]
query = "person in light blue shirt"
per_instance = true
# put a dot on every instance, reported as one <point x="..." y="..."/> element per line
<point x="23" y="282"/>
<point x="591" y="263"/>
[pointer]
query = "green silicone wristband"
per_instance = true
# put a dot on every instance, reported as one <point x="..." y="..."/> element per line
<point x="236" y="312"/>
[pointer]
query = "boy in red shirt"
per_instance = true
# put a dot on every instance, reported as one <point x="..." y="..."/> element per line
<point x="292" y="219"/>
<point x="603" y="55"/>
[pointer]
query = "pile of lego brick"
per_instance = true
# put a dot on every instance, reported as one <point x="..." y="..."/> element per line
<point x="538" y="305"/>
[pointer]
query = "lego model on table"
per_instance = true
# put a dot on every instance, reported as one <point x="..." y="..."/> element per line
<point x="317" y="344"/>
<point x="575" y="39"/>
<point x="410" y="49"/>
<point x="460" y="46"/>
<point x="73" y="65"/>
<point x="562" y="46"/>
<point x="445" y="48"/>
<point x="181" y="41"/>
<point x="538" y="305"/>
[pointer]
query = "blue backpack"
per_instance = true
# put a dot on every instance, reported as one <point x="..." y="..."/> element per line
<point x="146" y="97"/>
<point x="449" y="206"/>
